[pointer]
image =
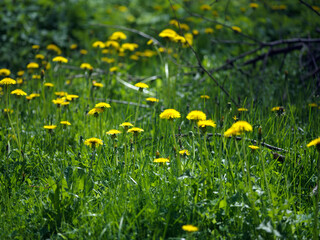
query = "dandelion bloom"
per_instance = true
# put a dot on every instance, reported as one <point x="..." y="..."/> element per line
<point x="48" y="84"/>
<point x="66" y="123"/>
<point x="20" y="73"/>
<point x="161" y="160"/>
<point x="40" y="56"/>
<point x="98" y="44"/>
<point x="93" y="142"/>
<point x="32" y="96"/>
<point x="8" y="81"/>
<point x="83" y="52"/>
<point x="204" y="97"/>
<point x="236" y="29"/>
<point x="208" y="30"/>
<point x="141" y="85"/>
<point x="195" y="32"/>
<point x="184" y="152"/>
<point x="113" y="44"/>
<point x="134" y="57"/>
<point x="278" y="109"/>
<point x="70" y="97"/>
<point x="126" y="125"/>
<point x="315" y="142"/>
<point x="35" y="76"/>
<point x="150" y="42"/>
<point x="168" y="33"/>
<point x="73" y="46"/>
<point x="219" y="26"/>
<point x="102" y="105"/>
<point x="98" y="85"/>
<point x="113" y="69"/>
<point x="153" y="100"/>
<point x="135" y="130"/>
<point x="196" y="115"/>
<point x="95" y="111"/>
<point x="253" y="147"/>
<point x="313" y="105"/>
<point x="35" y="47"/>
<point x="54" y="48"/>
<point x="129" y="46"/>
<point x="86" y="66"/>
<point x="61" y="94"/>
<point x="237" y="128"/>
<point x="170" y="114"/>
<point x="107" y="60"/>
<point x="50" y="127"/>
<point x="60" y="59"/>
<point x="205" y="7"/>
<point x="4" y="72"/>
<point x="206" y="123"/>
<point x="8" y="110"/>
<point x="33" y="65"/>
<point x="117" y="36"/>
<point x="254" y="5"/>
<point x="113" y="132"/>
<point x="190" y="228"/>
<point x="242" y="110"/>
<point x="19" y="92"/>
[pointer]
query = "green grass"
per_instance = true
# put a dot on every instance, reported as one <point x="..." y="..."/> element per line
<point x="54" y="186"/>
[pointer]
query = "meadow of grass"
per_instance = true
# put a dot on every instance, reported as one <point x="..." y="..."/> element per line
<point x="56" y="182"/>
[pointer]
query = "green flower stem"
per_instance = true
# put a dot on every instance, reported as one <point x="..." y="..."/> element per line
<point x="137" y="111"/>
<point x="178" y="162"/>
<point x="316" y="200"/>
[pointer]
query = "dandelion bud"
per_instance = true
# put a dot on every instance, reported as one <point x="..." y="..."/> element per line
<point x="259" y="134"/>
<point x="157" y="153"/>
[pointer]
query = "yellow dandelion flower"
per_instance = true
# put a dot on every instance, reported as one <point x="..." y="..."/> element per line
<point x="102" y="105"/>
<point x="315" y="142"/>
<point x="83" y="52"/>
<point x="35" y="47"/>
<point x="168" y="33"/>
<point x="126" y="125"/>
<point x="219" y="26"/>
<point x="66" y="123"/>
<point x="113" y="44"/>
<point x="236" y="29"/>
<point x="117" y="36"/>
<point x="161" y="160"/>
<point x="113" y="69"/>
<point x="150" y="42"/>
<point x="184" y="152"/>
<point x="20" y="73"/>
<point x="135" y="130"/>
<point x="5" y="72"/>
<point x="93" y="142"/>
<point x="33" y="65"/>
<point x="40" y="56"/>
<point x="54" y="48"/>
<point x="134" y="57"/>
<point x="98" y="85"/>
<point x="184" y="26"/>
<point x="253" y="147"/>
<point x="19" y="81"/>
<point x="113" y="132"/>
<point x="19" y="92"/>
<point x="195" y="32"/>
<point x="60" y="59"/>
<point x="170" y="114"/>
<point x="242" y="110"/>
<point x="98" y="44"/>
<point x="50" y="127"/>
<point x="86" y="66"/>
<point x="36" y="76"/>
<point x="58" y="101"/>
<point x="243" y="126"/>
<point x="190" y="228"/>
<point x="205" y="7"/>
<point x="61" y="94"/>
<point x="206" y="123"/>
<point x="73" y="46"/>
<point x="196" y="115"/>
<point x="95" y="111"/>
<point x="204" y="97"/>
<point x="8" y="110"/>
<point x="313" y="105"/>
<point x="278" y="109"/>
<point x="179" y="38"/>
<point x="153" y="100"/>
<point x="107" y="60"/>
<point x="208" y="30"/>
<point x="141" y="85"/>
<point x="50" y="85"/>
<point x="129" y="46"/>
<point x="254" y="5"/>
<point x="316" y="8"/>
<point x="32" y="96"/>
<point x="8" y="81"/>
